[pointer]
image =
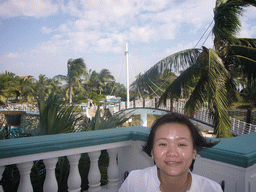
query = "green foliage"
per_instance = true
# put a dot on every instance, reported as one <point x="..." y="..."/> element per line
<point x="11" y="178"/>
<point x="37" y="176"/>
<point x="98" y="82"/>
<point x="100" y="122"/>
<point x="153" y="87"/>
<point x="7" y="87"/>
<point x="76" y="70"/>
<point x="115" y="88"/>
<point x="84" y="167"/>
<point x="249" y="95"/>
<point x="76" y="75"/>
<point x="62" y="173"/>
<point x="96" y="98"/>
<point x="23" y="89"/>
<point x="55" y="117"/>
<point x="3" y="131"/>
<point x="77" y="110"/>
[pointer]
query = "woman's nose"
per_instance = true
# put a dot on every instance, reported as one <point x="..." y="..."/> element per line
<point x="172" y="151"/>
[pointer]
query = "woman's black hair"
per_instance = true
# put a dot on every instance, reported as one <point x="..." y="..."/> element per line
<point x="198" y="140"/>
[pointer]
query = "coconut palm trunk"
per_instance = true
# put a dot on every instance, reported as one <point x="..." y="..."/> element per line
<point x="70" y="92"/>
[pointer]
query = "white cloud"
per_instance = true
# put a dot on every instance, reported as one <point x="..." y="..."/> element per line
<point x="178" y="48"/>
<point x="154" y="5"/>
<point x="46" y="30"/>
<point x="64" y="28"/>
<point x="104" y="44"/>
<point x="248" y="29"/>
<point x="141" y="34"/>
<point x="12" y="55"/>
<point x="104" y="26"/>
<point x="32" y="8"/>
<point x="71" y="7"/>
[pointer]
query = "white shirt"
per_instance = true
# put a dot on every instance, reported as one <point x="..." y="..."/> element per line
<point x="146" y="180"/>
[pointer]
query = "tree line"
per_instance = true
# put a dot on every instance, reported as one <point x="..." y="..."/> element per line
<point x="77" y="86"/>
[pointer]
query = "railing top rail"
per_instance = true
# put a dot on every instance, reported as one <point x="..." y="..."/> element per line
<point x="146" y="110"/>
<point x="239" y="151"/>
<point x="49" y="143"/>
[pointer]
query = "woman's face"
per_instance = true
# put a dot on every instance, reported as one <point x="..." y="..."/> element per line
<point x="173" y="149"/>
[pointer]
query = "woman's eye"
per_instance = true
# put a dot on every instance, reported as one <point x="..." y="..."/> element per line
<point x="182" y="144"/>
<point x="162" y="144"/>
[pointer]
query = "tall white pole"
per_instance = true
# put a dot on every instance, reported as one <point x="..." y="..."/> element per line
<point x="127" y="75"/>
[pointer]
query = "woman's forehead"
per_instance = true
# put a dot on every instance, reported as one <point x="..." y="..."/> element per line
<point x="173" y="131"/>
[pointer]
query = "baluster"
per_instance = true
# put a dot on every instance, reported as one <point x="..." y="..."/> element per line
<point x="238" y="125"/>
<point x="1" y="173"/>
<point x="25" y="183"/>
<point x="94" y="172"/>
<point x="250" y="128"/>
<point x="113" y="171"/>
<point x="143" y="119"/>
<point x="50" y="182"/>
<point x="74" y="179"/>
<point x="244" y="125"/>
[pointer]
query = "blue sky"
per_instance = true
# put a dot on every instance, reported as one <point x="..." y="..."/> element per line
<point x="40" y="36"/>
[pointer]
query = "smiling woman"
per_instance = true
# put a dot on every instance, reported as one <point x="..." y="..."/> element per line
<point x="173" y="143"/>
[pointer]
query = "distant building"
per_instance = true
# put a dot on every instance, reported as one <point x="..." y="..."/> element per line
<point x="26" y="77"/>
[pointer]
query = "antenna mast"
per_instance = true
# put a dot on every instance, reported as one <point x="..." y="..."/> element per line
<point x="127" y="75"/>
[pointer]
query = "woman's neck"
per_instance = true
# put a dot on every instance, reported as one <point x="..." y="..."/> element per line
<point x="174" y="183"/>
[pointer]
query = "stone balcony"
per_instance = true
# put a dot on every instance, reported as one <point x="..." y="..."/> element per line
<point x="232" y="162"/>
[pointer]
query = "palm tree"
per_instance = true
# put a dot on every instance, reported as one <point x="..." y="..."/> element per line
<point x="213" y="70"/>
<point x="42" y="84"/>
<point x="23" y="88"/>
<point x="7" y="87"/>
<point x="99" y="80"/>
<point x="104" y="78"/>
<point x="76" y="70"/>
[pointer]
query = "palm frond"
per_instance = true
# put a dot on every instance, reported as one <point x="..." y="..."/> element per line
<point x="217" y="77"/>
<point x="245" y="58"/>
<point x="210" y="87"/>
<point x="197" y="98"/>
<point x="176" y="62"/>
<point x="174" y="89"/>
<point x="243" y="51"/>
<point x="99" y="122"/>
<point x="227" y="20"/>
<point x="55" y="117"/>
<point x="247" y="42"/>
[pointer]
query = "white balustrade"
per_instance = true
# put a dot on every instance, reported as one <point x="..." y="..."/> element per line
<point x="113" y="171"/>
<point x="25" y="183"/>
<point x="74" y="179"/>
<point x="50" y="182"/>
<point x="143" y="119"/>
<point x="94" y="172"/>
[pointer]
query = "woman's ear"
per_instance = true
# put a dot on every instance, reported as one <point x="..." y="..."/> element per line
<point x="194" y="153"/>
<point x="152" y="153"/>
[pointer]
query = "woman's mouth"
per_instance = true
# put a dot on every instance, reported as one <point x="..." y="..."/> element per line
<point x="172" y="163"/>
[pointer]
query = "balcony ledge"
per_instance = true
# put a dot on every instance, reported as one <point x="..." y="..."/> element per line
<point x="239" y="151"/>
